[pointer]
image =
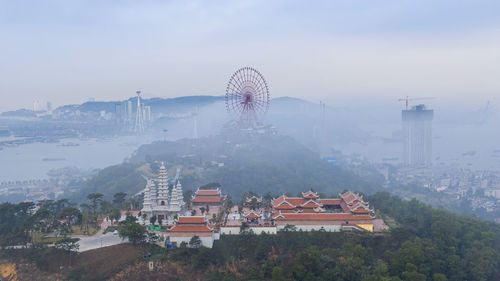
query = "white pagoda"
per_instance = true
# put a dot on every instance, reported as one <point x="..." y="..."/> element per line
<point x="157" y="201"/>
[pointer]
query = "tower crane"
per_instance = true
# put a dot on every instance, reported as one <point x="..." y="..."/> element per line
<point x="408" y="98"/>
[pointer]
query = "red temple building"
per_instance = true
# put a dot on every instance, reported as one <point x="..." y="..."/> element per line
<point x="207" y="197"/>
<point x="309" y="212"/>
<point x="187" y="227"/>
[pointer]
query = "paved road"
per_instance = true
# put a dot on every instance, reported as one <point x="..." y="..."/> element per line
<point x="90" y="242"/>
<point x="99" y="240"/>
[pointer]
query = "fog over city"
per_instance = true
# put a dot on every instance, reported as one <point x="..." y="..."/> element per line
<point x="250" y="140"/>
<point x="339" y="76"/>
<point x="358" y="59"/>
<point x="67" y="52"/>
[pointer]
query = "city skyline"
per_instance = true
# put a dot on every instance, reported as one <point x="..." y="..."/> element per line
<point x="68" y="52"/>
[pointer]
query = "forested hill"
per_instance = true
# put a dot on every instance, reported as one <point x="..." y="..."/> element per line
<point x="262" y="164"/>
<point x="424" y="243"/>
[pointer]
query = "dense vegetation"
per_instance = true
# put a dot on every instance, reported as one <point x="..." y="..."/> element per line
<point x="429" y="244"/>
<point x="425" y="244"/>
<point x="28" y="223"/>
<point x="48" y="264"/>
<point x="258" y="163"/>
<point x="111" y="180"/>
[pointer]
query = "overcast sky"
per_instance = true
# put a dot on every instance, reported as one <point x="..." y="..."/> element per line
<point x="70" y="51"/>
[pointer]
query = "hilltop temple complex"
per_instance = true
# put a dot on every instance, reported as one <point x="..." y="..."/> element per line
<point x="208" y="217"/>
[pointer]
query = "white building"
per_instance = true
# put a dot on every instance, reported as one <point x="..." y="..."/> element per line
<point x="157" y="200"/>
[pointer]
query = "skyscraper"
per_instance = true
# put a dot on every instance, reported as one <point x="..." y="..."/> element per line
<point x="417" y="136"/>
<point x="147" y="113"/>
<point x="129" y="112"/>
<point x="118" y="113"/>
<point x="139" y="116"/>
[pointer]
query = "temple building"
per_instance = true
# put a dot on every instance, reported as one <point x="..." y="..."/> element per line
<point x="252" y="216"/>
<point x="309" y="212"/>
<point x="157" y="200"/>
<point x="253" y="202"/>
<point x="207" y="197"/>
<point x="188" y="227"/>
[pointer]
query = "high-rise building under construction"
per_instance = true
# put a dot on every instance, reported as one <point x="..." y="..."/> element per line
<point x="417" y="136"/>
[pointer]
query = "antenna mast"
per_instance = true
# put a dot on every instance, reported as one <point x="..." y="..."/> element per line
<point x="139" y="116"/>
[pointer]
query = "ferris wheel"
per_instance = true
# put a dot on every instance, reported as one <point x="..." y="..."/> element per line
<point x="247" y="96"/>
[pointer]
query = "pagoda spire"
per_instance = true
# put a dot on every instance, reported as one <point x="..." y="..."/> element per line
<point x="180" y="195"/>
<point x="176" y="201"/>
<point x="162" y="199"/>
<point x="147" y="205"/>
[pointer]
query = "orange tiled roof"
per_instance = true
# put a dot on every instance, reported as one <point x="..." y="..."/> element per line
<point x="344" y="207"/>
<point x="207" y="192"/>
<point x="297" y="201"/>
<point x="359" y="207"/>
<point x="321" y="217"/>
<point x="206" y="199"/>
<point x="252" y="215"/>
<point x="278" y="200"/>
<point x="191" y="220"/>
<point x="190" y="228"/>
<point x="310" y="194"/>
<point x="330" y="201"/>
<point x="310" y="204"/>
<point x="349" y="198"/>
<point x="350" y="202"/>
<point x="285" y="205"/>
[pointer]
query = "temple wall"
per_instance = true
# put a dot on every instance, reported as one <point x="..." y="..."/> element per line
<point x="232" y="230"/>
<point x="190" y="234"/>
<point x="206" y="241"/>
<point x="311" y="227"/>
<point x="317" y="222"/>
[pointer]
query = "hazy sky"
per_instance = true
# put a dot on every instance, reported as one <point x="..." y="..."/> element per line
<point x="70" y="51"/>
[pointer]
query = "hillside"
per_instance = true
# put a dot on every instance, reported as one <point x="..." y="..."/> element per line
<point x="424" y="244"/>
<point x="44" y="264"/>
<point x="178" y="104"/>
<point x="113" y="179"/>
<point x="262" y="164"/>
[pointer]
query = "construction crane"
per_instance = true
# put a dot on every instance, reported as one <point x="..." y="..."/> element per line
<point x="408" y="98"/>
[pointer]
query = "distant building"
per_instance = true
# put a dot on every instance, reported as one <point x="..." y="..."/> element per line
<point x="129" y="112"/>
<point x="118" y="113"/>
<point x="158" y="202"/>
<point x="147" y="113"/>
<point x="417" y="136"/>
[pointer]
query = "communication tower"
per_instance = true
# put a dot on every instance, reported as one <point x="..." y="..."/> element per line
<point x="139" y="116"/>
